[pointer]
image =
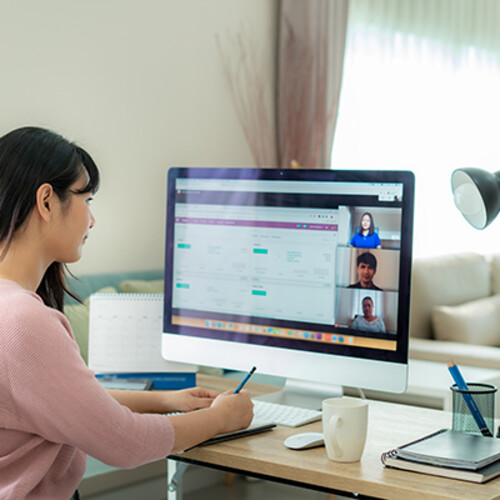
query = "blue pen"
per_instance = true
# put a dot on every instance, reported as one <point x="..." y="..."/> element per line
<point x="469" y="400"/>
<point x="244" y="381"/>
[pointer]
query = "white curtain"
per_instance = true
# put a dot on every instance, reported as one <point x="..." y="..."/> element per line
<point x="421" y="91"/>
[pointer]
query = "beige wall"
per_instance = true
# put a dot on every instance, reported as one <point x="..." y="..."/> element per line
<point x="138" y="83"/>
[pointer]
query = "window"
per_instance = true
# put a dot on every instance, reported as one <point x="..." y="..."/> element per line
<point x="421" y="92"/>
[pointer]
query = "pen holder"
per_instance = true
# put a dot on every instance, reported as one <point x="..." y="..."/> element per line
<point x="484" y="398"/>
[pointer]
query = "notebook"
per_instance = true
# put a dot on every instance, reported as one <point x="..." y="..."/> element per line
<point x="449" y="448"/>
<point x="253" y="428"/>
<point x="256" y="425"/>
<point x="476" y="476"/>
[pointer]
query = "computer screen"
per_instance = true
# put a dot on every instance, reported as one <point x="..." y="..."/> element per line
<point x="303" y="273"/>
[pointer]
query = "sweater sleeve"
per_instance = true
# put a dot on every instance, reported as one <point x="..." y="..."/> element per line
<point x="383" y="329"/>
<point x="54" y="395"/>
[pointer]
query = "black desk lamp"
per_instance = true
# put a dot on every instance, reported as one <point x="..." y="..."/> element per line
<point x="477" y="195"/>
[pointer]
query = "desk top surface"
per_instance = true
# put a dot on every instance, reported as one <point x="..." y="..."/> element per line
<point x="390" y="425"/>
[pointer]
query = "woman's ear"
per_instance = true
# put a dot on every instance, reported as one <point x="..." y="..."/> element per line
<point x="45" y="201"/>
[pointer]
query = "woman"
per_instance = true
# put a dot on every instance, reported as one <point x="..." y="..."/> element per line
<point x="366" y="237"/>
<point x="53" y="411"/>
<point x="368" y="322"/>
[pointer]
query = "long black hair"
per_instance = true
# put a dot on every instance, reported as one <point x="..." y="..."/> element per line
<point x="30" y="157"/>
<point x="371" y="229"/>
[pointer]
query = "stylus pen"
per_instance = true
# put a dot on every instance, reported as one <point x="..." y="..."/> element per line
<point x="469" y="400"/>
<point x="244" y="381"/>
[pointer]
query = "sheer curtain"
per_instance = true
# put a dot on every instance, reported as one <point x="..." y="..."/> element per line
<point x="421" y="91"/>
<point x="311" y="55"/>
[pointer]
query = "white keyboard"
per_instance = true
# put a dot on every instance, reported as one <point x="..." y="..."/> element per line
<point x="291" y="416"/>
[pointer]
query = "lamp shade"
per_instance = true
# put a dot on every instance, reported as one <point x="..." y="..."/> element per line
<point x="477" y="195"/>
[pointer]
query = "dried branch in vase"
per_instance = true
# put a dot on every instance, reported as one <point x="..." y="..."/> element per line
<point x="305" y="115"/>
<point x="250" y="89"/>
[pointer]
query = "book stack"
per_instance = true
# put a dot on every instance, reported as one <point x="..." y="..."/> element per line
<point x="449" y="453"/>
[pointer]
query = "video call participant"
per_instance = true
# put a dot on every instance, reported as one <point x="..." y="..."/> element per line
<point x="366" y="267"/>
<point x="366" y="237"/>
<point x="368" y="322"/>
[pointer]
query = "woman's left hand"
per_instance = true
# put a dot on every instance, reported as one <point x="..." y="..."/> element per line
<point x="191" y="399"/>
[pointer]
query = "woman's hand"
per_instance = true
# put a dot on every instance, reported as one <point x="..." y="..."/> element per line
<point x="236" y="410"/>
<point x="228" y="412"/>
<point x="191" y="399"/>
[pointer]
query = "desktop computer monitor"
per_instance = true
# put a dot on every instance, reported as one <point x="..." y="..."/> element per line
<point x="302" y="273"/>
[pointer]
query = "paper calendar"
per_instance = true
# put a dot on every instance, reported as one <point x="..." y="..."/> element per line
<point x="125" y="333"/>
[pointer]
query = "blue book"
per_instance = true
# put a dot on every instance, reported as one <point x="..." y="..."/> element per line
<point x="165" y="381"/>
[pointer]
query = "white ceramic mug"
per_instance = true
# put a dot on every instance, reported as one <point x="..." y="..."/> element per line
<point x="345" y="422"/>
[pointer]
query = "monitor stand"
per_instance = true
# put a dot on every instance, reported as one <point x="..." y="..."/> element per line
<point x="303" y="393"/>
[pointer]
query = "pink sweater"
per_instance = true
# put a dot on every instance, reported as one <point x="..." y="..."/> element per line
<point x="53" y="412"/>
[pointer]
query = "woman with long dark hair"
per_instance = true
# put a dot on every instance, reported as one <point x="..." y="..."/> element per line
<point x="53" y="411"/>
<point x="366" y="237"/>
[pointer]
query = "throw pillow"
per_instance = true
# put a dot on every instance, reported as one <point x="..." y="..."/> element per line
<point x="475" y="322"/>
<point x="141" y="286"/>
<point x="78" y="317"/>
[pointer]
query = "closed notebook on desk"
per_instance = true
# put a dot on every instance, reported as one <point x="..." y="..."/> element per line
<point x="257" y="425"/>
<point x="449" y="453"/>
<point x="476" y="476"/>
<point x="452" y="449"/>
<point x="253" y="428"/>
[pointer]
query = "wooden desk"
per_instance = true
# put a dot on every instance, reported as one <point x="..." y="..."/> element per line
<point x="264" y="455"/>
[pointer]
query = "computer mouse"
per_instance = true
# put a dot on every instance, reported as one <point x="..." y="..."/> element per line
<point x="304" y="441"/>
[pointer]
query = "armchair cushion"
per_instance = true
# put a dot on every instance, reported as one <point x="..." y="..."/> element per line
<point x="463" y="354"/>
<point x="495" y="273"/>
<point x="78" y="317"/>
<point x="141" y="286"/>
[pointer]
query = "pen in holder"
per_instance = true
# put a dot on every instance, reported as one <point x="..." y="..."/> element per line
<point x="483" y="396"/>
